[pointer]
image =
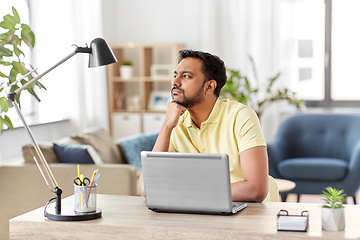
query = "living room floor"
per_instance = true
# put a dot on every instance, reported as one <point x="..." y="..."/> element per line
<point x="306" y="198"/>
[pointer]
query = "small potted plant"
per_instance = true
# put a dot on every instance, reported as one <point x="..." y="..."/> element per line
<point x="332" y="212"/>
<point x="126" y="70"/>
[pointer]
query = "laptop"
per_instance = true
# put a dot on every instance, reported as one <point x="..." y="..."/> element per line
<point x="188" y="183"/>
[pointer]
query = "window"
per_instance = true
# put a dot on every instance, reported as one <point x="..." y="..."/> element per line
<point x="326" y="43"/>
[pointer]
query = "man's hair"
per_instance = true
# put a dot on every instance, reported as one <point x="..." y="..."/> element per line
<point x="212" y="67"/>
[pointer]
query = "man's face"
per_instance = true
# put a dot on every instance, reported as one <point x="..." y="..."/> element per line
<point x="188" y="83"/>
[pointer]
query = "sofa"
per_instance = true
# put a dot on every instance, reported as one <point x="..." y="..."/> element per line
<point x="24" y="189"/>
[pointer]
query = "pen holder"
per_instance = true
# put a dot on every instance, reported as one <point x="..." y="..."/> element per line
<point x="84" y="198"/>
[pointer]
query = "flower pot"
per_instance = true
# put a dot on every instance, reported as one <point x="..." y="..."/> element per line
<point x="333" y="219"/>
<point x="126" y="72"/>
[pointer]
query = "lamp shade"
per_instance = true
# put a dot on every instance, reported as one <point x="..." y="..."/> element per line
<point x="101" y="53"/>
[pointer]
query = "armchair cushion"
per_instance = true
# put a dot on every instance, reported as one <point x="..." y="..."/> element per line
<point x="77" y="154"/>
<point x="132" y="146"/>
<point x="46" y="148"/>
<point x="312" y="169"/>
<point x="101" y="142"/>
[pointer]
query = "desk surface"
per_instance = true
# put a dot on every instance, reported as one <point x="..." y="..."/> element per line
<point x="126" y="217"/>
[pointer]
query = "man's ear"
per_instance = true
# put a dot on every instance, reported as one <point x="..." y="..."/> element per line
<point x="210" y="86"/>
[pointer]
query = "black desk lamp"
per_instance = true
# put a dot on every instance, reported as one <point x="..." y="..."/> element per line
<point x="99" y="54"/>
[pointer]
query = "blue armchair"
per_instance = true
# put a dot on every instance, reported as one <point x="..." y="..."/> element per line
<point x="316" y="151"/>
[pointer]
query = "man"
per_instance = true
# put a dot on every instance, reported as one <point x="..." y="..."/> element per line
<point x="196" y="121"/>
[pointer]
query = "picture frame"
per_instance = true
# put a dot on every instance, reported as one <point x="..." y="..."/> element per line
<point x="158" y="100"/>
<point x="161" y="71"/>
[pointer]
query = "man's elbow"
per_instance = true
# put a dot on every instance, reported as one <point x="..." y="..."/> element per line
<point x="259" y="195"/>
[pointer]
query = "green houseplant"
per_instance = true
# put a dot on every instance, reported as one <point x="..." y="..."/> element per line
<point x="239" y="88"/>
<point x="14" y="35"/>
<point x="332" y="212"/>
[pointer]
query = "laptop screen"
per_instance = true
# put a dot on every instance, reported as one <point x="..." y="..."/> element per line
<point x="186" y="181"/>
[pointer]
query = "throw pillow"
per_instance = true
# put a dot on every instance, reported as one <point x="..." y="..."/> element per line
<point x="46" y="148"/>
<point x="102" y="143"/>
<point x="133" y="145"/>
<point x="79" y="154"/>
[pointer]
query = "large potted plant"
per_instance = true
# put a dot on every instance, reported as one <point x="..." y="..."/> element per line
<point x="14" y="35"/>
<point x="239" y="88"/>
<point x="332" y="212"/>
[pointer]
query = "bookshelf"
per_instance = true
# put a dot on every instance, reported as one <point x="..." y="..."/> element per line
<point x="137" y="104"/>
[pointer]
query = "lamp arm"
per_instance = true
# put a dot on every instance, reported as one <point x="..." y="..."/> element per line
<point x="39" y="152"/>
<point x="47" y="169"/>
<point x="34" y="80"/>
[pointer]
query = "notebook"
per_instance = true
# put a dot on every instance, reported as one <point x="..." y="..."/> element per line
<point x="188" y="183"/>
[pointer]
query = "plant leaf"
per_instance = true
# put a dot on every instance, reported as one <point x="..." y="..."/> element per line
<point x="16" y="15"/>
<point x="18" y="52"/>
<point x="10" y="20"/>
<point x="7" y="25"/>
<point x="5" y="52"/>
<point x="8" y="122"/>
<point x="3" y="104"/>
<point x="27" y="35"/>
<point x="18" y="67"/>
<point x="3" y="75"/>
<point x="14" y="40"/>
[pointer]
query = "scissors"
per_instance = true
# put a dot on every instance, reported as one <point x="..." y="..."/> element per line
<point x="84" y="182"/>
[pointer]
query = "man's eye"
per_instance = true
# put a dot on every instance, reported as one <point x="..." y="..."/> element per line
<point x="187" y="76"/>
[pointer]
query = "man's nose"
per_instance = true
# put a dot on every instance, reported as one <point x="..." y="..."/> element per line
<point x="176" y="82"/>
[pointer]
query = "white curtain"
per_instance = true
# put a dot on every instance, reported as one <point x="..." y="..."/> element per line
<point x="262" y="29"/>
<point x="74" y="91"/>
<point x="236" y="29"/>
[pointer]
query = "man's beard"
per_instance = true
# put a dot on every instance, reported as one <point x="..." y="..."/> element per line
<point x="189" y="102"/>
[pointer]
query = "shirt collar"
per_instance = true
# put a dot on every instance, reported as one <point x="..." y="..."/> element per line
<point x="213" y="118"/>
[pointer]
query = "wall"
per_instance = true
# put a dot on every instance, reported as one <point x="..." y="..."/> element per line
<point x="152" y="21"/>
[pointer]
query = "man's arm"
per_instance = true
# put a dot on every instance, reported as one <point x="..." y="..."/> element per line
<point x="173" y="113"/>
<point x="254" y="167"/>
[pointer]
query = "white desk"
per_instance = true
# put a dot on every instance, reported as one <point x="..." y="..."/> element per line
<point x="126" y="217"/>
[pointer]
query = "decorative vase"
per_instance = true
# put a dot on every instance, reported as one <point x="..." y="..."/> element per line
<point x="126" y="72"/>
<point x="333" y="219"/>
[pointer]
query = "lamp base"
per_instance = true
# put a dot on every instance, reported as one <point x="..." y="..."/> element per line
<point x="68" y="214"/>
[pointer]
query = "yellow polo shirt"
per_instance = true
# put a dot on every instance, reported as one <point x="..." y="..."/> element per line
<point x="231" y="128"/>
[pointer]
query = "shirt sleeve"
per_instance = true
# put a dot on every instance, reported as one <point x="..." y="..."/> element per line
<point x="248" y="130"/>
<point x="171" y="145"/>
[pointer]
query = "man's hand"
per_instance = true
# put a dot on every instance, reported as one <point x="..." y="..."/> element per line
<point x="173" y="113"/>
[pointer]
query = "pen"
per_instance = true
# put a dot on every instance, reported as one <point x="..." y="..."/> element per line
<point x="93" y="177"/>
<point x="96" y="178"/>
<point x="82" y="179"/>
<point x="80" y="193"/>
<point x="78" y="169"/>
